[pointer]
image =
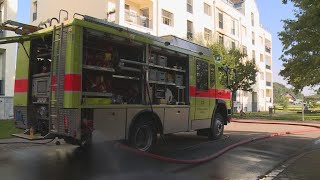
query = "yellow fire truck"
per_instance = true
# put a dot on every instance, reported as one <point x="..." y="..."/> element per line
<point x="88" y="75"/>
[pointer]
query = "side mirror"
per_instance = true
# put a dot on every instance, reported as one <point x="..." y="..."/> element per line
<point x="227" y="70"/>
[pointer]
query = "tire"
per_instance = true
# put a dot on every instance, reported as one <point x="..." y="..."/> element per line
<point x="217" y="127"/>
<point x="143" y="136"/>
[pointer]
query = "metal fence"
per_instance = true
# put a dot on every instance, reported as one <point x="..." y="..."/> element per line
<point x="6" y="107"/>
<point x="252" y="106"/>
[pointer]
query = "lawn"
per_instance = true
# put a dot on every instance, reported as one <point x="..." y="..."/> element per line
<point x="288" y="116"/>
<point x="7" y="128"/>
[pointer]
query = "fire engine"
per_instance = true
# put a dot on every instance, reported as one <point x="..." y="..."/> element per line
<point x="88" y="75"/>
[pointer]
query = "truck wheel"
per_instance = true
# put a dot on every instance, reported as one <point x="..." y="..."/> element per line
<point x="143" y="136"/>
<point x="217" y="127"/>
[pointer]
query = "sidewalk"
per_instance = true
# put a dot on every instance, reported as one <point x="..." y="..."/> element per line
<point x="303" y="167"/>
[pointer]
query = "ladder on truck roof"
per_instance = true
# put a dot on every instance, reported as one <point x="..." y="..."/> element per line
<point x="19" y="28"/>
<point x="56" y="79"/>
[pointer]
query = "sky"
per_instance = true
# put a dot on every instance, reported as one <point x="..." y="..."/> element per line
<point x="24" y="11"/>
<point x="271" y="14"/>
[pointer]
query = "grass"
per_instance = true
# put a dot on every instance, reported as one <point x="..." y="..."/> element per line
<point x="7" y="127"/>
<point x="287" y="116"/>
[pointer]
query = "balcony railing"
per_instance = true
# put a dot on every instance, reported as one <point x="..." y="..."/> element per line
<point x="268" y="49"/>
<point x="268" y="67"/>
<point x="268" y="83"/>
<point x="268" y="99"/>
<point x="134" y="18"/>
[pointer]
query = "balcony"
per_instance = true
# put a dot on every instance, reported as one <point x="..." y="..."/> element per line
<point x="268" y="67"/>
<point x="268" y="83"/>
<point x="268" y="49"/>
<point x="134" y="18"/>
<point x="268" y="99"/>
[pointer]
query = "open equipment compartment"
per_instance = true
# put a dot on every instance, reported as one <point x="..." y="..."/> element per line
<point x="40" y="68"/>
<point x="111" y="74"/>
<point x="168" y="77"/>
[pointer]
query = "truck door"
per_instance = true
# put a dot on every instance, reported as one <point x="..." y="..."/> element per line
<point x="212" y="87"/>
<point x="202" y="90"/>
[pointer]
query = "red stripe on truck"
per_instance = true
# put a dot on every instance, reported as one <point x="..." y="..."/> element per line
<point x="211" y="93"/>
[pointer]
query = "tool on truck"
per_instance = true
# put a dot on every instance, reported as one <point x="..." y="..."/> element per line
<point x="87" y="75"/>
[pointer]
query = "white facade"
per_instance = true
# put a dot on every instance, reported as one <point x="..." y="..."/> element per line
<point x="234" y="24"/>
<point x="8" y="52"/>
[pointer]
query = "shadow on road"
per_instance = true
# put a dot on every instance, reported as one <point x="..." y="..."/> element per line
<point x="105" y="160"/>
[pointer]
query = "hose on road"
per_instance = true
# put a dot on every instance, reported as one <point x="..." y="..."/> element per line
<point x="228" y="148"/>
<point x="26" y="142"/>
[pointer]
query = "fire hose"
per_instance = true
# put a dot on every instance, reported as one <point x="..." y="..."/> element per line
<point x="228" y="148"/>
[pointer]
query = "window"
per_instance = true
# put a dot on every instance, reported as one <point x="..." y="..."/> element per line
<point x="221" y="39"/>
<point x="261" y="41"/>
<point x="207" y="9"/>
<point x="252" y="19"/>
<point x="244" y="50"/>
<point x="35" y="10"/>
<point x="167" y="18"/>
<point x="189" y="30"/>
<point x="233" y="28"/>
<point x="202" y="75"/>
<point x="207" y="34"/>
<point x="261" y="57"/>
<point x="127" y="7"/>
<point x="261" y="75"/>
<point x="253" y="38"/>
<point x="1" y="87"/>
<point x="233" y="45"/>
<point x="253" y="55"/>
<point x="189" y="6"/>
<point x="220" y="20"/>
<point x="212" y="75"/>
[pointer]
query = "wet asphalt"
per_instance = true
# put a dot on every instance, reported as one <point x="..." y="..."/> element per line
<point x="106" y="160"/>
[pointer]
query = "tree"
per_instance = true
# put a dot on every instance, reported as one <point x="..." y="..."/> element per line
<point x="280" y="90"/>
<point x="284" y="102"/>
<point x="301" y="47"/>
<point x="243" y="73"/>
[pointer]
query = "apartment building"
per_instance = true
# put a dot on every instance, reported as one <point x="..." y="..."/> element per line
<point x="234" y="23"/>
<point x="8" y="53"/>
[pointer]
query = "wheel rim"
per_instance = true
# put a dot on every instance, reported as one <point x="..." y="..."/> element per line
<point x="219" y="127"/>
<point x="143" y="138"/>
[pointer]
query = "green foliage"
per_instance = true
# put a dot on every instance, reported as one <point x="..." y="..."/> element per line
<point x="301" y="47"/>
<point x="284" y="102"/>
<point x="280" y="90"/>
<point x="7" y="128"/>
<point x="243" y="74"/>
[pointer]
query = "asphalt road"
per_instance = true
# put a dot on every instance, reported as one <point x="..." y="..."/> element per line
<point x="107" y="161"/>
